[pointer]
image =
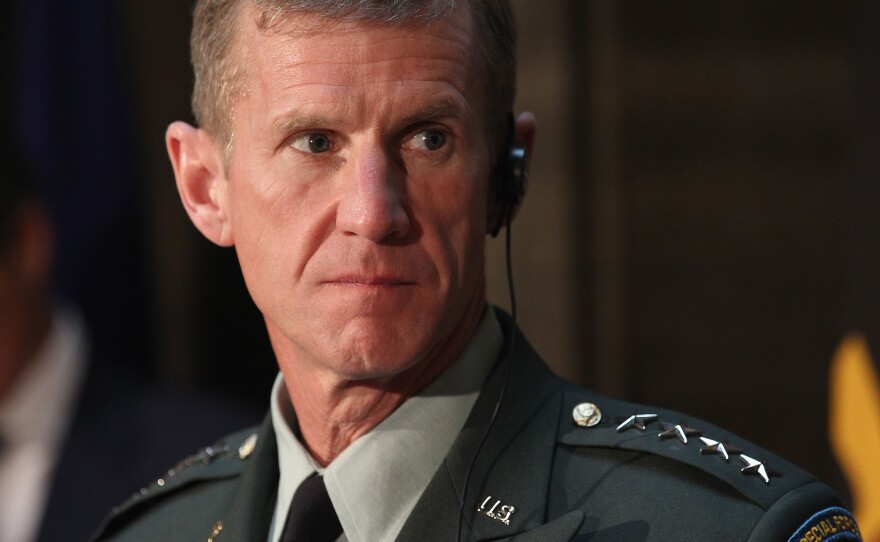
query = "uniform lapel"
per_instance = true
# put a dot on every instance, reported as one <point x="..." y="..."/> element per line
<point x="250" y="513"/>
<point x="507" y="492"/>
<point x="513" y="468"/>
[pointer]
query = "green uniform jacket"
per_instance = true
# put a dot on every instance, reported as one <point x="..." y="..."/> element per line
<point x="539" y="476"/>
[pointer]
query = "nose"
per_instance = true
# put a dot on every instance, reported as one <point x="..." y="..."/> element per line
<point x="372" y="204"/>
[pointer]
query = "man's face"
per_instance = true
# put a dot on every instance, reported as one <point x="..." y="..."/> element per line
<point x="357" y="193"/>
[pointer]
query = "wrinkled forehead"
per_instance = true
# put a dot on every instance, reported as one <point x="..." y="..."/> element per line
<point x="270" y="39"/>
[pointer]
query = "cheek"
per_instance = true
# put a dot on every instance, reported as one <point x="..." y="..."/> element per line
<point x="264" y="246"/>
<point x="459" y="229"/>
<point x="275" y="216"/>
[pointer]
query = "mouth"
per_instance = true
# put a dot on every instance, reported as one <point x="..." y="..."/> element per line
<point x="361" y="280"/>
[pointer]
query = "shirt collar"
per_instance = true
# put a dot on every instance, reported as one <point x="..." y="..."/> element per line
<point x="398" y="457"/>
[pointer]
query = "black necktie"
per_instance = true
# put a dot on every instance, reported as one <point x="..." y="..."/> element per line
<point x="311" y="517"/>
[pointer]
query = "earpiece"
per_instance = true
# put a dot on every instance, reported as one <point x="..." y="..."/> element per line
<point x="512" y="176"/>
<point x="513" y="179"/>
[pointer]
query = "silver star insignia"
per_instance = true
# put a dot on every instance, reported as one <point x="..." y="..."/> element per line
<point x="757" y="468"/>
<point x="636" y="420"/>
<point x="718" y="448"/>
<point x="680" y="431"/>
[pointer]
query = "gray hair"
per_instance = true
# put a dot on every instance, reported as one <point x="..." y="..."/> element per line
<point x="220" y="77"/>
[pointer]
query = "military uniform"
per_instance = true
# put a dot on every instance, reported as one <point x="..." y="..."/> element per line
<point x="561" y="463"/>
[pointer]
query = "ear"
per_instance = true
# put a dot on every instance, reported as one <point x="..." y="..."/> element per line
<point x="524" y="134"/>
<point x="524" y="137"/>
<point x="525" y="130"/>
<point x="201" y="180"/>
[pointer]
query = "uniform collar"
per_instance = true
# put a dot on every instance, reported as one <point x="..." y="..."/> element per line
<point x="513" y="466"/>
<point x="396" y="458"/>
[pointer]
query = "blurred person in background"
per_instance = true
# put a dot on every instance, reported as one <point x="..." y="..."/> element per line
<point x="76" y="435"/>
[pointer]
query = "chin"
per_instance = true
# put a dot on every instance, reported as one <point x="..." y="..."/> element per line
<point x="378" y="354"/>
<point x="359" y="366"/>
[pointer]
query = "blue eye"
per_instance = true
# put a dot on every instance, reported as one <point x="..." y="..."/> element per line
<point x="430" y="140"/>
<point x="312" y="143"/>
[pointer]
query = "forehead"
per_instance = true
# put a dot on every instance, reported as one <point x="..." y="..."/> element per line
<point x="291" y="44"/>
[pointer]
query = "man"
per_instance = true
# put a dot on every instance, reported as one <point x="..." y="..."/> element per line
<point x="39" y="357"/>
<point x="355" y="154"/>
<point x="66" y="417"/>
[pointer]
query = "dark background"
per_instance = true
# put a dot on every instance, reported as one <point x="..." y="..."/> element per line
<point x="700" y="232"/>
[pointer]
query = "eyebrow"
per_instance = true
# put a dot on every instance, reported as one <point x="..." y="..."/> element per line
<point x="444" y="108"/>
<point x="295" y="123"/>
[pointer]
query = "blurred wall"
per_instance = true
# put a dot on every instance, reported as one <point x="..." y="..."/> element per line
<point x="66" y="99"/>
<point x="732" y="137"/>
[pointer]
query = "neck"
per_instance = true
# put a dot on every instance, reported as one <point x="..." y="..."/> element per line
<point x="334" y="411"/>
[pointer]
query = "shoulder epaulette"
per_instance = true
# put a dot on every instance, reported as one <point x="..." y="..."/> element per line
<point x="604" y="422"/>
<point x="222" y="460"/>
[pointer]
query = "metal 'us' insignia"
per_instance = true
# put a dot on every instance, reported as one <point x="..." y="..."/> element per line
<point x="586" y="415"/>
<point x="498" y="511"/>
<point x="638" y="421"/>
